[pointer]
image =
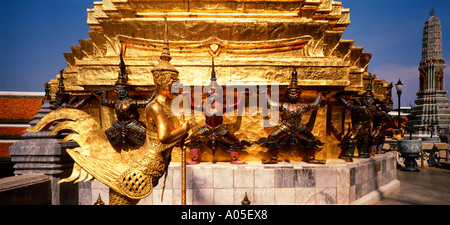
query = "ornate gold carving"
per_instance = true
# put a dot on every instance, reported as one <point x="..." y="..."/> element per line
<point x="215" y="45"/>
<point x="116" y="198"/>
<point x="135" y="184"/>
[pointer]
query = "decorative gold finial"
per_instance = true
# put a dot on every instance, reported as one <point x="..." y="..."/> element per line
<point x="213" y="72"/>
<point x="166" y="53"/>
<point x="245" y="201"/>
<point x="164" y="64"/>
<point x="214" y="85"/>
<point x="99" y="201"/>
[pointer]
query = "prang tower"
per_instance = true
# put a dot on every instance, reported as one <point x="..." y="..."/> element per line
<point x="432" y="108"/>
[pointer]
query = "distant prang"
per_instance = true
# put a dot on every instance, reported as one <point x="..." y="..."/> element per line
<point x="432" y="111"/>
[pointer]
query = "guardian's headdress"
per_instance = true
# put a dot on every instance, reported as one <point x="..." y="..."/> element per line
<point x="368" y="96"/>
<point x="123" y="75"/>
<point x="294" y="83"/>
<point x="213" y="84"/>
<point x="164" y="64"/>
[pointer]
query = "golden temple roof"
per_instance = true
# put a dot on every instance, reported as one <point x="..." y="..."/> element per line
<point x="264" y="39"/>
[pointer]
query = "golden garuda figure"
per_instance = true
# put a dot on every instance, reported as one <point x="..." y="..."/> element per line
<point x="130" y="175"/>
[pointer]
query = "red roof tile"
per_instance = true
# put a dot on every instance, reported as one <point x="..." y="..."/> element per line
<point x="12" y="130"/>
<point x="19" y="108"/>
<point x="4" y="149"/>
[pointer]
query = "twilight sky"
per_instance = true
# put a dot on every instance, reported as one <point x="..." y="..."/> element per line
<point x="35" y="34"/>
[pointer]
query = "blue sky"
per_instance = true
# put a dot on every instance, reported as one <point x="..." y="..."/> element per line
<point x="392" y="31"/>
<point x="35" y="34"/>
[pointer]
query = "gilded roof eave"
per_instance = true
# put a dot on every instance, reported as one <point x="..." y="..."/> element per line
<point x="133" y="26"/>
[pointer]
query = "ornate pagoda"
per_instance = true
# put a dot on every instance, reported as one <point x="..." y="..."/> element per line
<point x="432" y="110"/>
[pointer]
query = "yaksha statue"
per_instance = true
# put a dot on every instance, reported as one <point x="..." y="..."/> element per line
<point x="358" y="137"/>
<point x="214" y="133"/>
<point x="381" y="122"/>
<point x="127" y="131"/>
<point x="291" y="129"/>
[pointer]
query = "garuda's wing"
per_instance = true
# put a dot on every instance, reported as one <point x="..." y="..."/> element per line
<point x="96" y="157"/>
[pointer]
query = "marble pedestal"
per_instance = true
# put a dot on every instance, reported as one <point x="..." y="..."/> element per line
<point x="337" y="182"/>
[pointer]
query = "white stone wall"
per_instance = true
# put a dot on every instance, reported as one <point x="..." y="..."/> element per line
<point x="295" y="183"/>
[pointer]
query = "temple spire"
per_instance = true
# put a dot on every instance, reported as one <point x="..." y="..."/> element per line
<point x="432" y="106"/>
<point x="432" y="38"/>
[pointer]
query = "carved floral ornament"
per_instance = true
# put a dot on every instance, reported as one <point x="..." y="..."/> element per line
<point x="215" y="46"/>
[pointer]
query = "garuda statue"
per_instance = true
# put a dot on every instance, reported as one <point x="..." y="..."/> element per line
<point x="214" y="133"/>
<point x="291" y="129"/>
<point x="130" y="175"/>
<point x="127" y="131"/>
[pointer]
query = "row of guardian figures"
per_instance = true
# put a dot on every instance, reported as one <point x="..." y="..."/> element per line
<point x="369" y="124"/>
<point x="370" y="120"/>
<point x="128" y="132"/>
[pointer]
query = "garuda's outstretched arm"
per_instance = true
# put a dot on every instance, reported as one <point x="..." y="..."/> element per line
<point x="349" y="106"/>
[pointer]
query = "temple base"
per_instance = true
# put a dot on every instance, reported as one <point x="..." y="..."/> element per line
<point x="363" y="181"/>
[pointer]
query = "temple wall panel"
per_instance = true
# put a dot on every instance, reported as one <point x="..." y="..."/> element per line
<point x="312" y="71"/>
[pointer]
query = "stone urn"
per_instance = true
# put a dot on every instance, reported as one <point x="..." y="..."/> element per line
<point x="410" y="150"/>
